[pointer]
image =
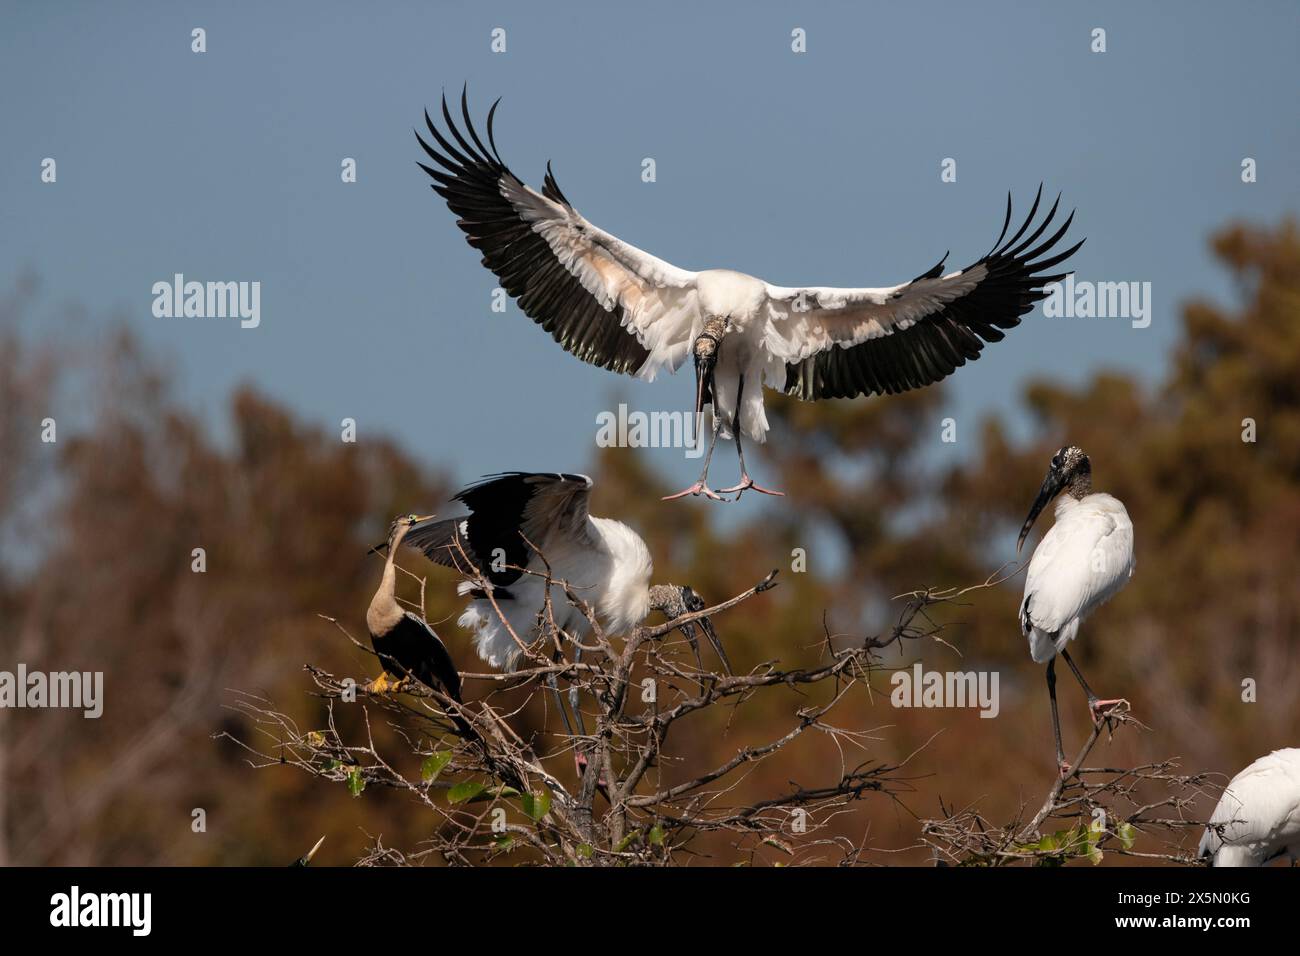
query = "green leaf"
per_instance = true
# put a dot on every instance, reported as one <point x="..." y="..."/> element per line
<point x="1127" y="835"/>
<point x="627" y="841"/>
<point x="783" y="847"/>
<point x="584" y="850"/>
<point x="504" y="841"/>
<point x="657" y="835"/>
<point x="537" y="805"/>
<point x="356" y="782"/>
<point x="433" y="764"/>
<point x="465" y="790"/>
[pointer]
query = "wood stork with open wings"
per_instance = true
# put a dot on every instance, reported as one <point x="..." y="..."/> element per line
<point x="623" y="309"/>
<point x="1081" y="563"/>
<point x="519" y="524"/>
<point x="1258" y="816"/>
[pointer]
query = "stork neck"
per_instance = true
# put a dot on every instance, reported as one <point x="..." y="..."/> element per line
<point x="1080" y="485"/>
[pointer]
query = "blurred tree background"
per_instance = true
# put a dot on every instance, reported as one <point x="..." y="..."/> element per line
<point x="98" y="530"/>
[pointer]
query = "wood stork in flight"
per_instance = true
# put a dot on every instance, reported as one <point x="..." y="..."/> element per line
<point x="620" y="308"/>
<point x="1081" y="563"/>
<point x="1258" y="816"/>
<point x="521" y="522"/>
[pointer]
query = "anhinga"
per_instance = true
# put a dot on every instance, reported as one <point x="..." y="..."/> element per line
<point x="406" y="646"/>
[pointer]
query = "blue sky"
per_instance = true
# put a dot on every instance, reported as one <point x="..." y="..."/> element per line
<point x="814" y="168"/>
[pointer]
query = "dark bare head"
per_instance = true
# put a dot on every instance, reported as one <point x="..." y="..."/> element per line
<point x="1069" y="471"/>
<point x="707" y="345"/>
<point x="674" y="601"/>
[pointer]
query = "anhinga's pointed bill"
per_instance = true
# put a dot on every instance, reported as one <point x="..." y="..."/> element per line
<point x="1052" y="486"/>
<point x="305" y="859"/>
<point x="417" y="522"/>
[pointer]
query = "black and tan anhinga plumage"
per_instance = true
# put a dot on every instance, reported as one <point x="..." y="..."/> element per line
<point x="620" y="308"/>
<point x="407" y="647"/>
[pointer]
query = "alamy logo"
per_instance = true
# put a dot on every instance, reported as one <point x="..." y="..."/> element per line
<point x="78" y="690"/>
<point x="1101" y="300"/>
<point x="921" y="688"/>
<point x="208" y="300"/>
<point x="638" y="429"/>
<point x="75" y="908"/>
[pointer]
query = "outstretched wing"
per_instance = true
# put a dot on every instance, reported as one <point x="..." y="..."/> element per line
<point x="603" y="300"/>
<point x="838" y="343"/>
<point x="504" y="510"/>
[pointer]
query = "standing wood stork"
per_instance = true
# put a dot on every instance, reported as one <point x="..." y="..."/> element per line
<point x="1258" y="816"/>
<point x="1081" y="563"/>
<point x="623" y="309"/>
<point x="406" y="646"/>
<point x="519" y="524"/>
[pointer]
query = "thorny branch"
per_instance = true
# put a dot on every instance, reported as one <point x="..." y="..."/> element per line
<point x="1097" y="810"/>
<point x="497" y="794"/>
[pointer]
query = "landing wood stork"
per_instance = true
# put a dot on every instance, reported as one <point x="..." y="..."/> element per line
<point x="1258" y="816"/>
<point x="521" y="522"/>
<point x="622" y="309"/>
<point x="1081" y="563"/>
<point x="406" y="646"/>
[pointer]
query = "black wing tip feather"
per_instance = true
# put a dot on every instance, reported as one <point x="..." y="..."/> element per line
<point x="467" y="175"/>
<point x="515" y="480"/>
<point x="943" y="341"/>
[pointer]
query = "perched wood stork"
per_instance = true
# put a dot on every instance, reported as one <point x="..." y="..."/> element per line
<point x="519" y="524"/>
<point x="406" y="646"/>
<point x="623" y="309"/>
<point x="1258" y="816"/>
<point x="1081" y="563"/>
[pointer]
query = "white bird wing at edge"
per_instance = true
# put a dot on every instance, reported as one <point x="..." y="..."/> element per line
<point x="1260" y="805"/>
<point x="601" y="299"/>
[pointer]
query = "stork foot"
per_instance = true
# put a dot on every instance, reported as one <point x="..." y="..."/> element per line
<point x="747" y="484"/>
<point x="1101" y="709"/>
<point x="699" y="488"/>
<point x="580" y="761"/>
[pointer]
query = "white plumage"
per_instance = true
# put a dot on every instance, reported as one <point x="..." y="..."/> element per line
<point x="1081" y="563"/>
<point x="619" y="307"/>
<point x="519" y="524"/>
<point x="606" y="563"/>
<point x="1258" y="816"/>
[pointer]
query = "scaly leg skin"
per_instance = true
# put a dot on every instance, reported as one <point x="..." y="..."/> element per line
<point x="746" y="482"/>
<point x="1096" y="705"/>
<point x="1062" y="765"/>
<point x="701" y="487"/>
